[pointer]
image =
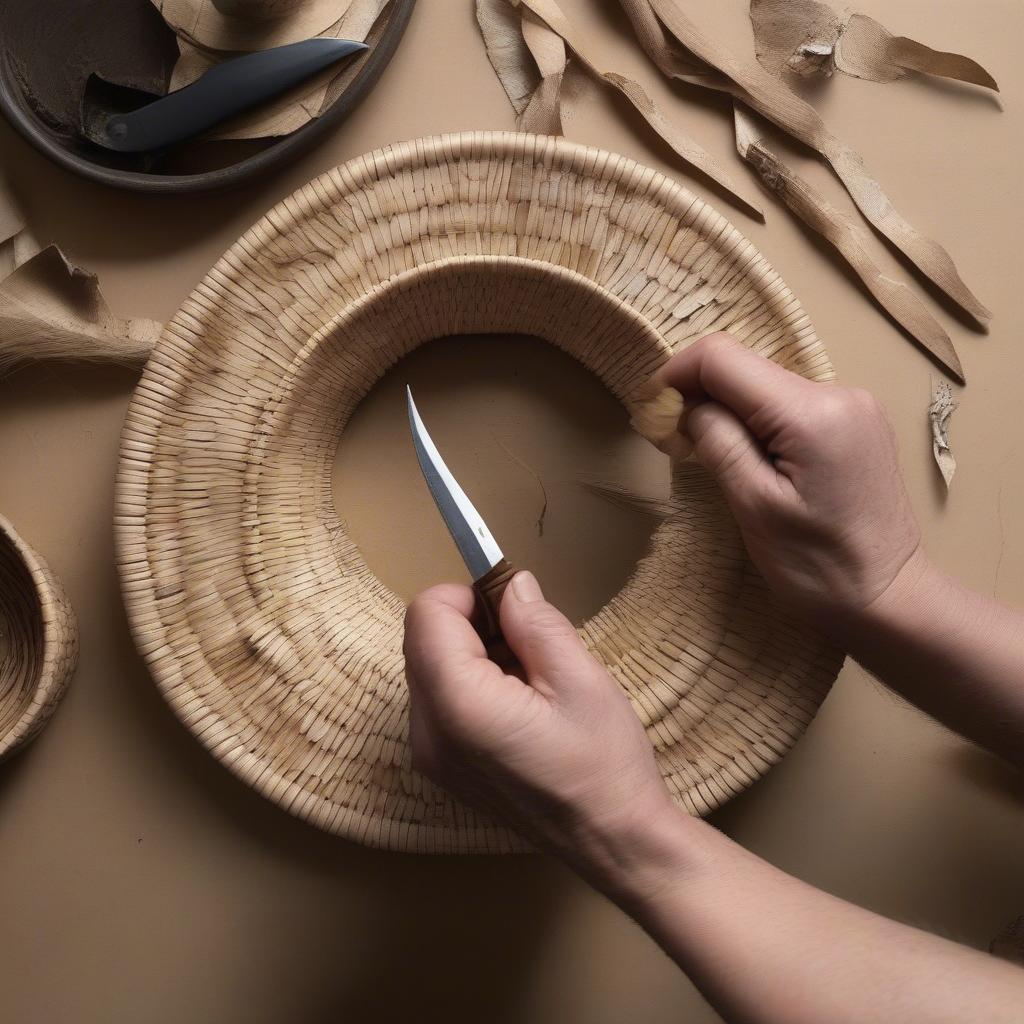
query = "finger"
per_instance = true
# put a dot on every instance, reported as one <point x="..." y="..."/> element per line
<point x="541" y="637"/>
<point x="440" y="641"/>
<point x="729" y="451"/>
<point x="721" y="368"/>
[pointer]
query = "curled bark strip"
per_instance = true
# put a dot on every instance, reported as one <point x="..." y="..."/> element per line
<point x="850" y="240"/>
<point x="50" y="309"/>
<point x="540" y="109"/>
<point x="809" y="37"/>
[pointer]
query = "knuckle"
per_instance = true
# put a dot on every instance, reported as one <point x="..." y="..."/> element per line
<point x="720" y="341"/>
<point x="835" y="409"/>
<point x="544" y="622"/>
<point x="866" y="403"/>
<point x="719" y="351"/>
<point x="722" y="456"/>
<point x="414" y="612"/>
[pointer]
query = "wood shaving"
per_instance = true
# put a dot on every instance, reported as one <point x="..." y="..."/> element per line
<point x="51" y="309"/>
<point x="656" y="417"/>
<point x="623" y="497"/>
<point x="939" y="412"/>
<point x="536" y="476"/>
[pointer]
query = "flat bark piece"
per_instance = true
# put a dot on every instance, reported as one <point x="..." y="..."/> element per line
<point x="289" y="111"/>
<point x="246" y="25"/>
<point x="866" y="49"/>
<point x="795" y="35"/>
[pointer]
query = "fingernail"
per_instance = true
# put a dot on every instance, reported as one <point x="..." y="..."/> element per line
<point x="525" y="588"/>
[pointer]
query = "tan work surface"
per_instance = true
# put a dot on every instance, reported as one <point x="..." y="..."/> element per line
<point x="140" y="882"/>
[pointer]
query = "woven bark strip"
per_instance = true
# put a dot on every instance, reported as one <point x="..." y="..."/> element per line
<point x="264" y="628"/>
<point x="850" y="240"/>
<point x="38" y="642"/>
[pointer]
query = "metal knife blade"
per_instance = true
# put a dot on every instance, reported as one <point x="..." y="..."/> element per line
<point x="226" y="89"/>
<point x="477" y="546"/>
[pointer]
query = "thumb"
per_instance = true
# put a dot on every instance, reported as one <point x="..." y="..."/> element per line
<point x="541" y="637"/>
<point x="726" y="448"/>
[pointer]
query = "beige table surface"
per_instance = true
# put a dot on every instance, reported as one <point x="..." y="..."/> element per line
<point x="139" y="882"/>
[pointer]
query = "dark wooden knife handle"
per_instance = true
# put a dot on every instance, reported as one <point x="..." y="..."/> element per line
<point x="489" y="591"/>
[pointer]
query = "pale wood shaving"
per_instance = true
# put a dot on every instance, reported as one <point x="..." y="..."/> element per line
<point x="51" y="309"/>
<point x="656" y="418"/>
<point x="866" y="49"/>
<point x="631" y="501"/>
<point x="939" y="413"/>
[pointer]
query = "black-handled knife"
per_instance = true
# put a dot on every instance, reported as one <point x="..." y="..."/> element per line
<point x="226" y="89"/>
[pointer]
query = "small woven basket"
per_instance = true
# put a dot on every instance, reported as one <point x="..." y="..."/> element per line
<point x="265" y="629"/>
<point x="38" y="642"/>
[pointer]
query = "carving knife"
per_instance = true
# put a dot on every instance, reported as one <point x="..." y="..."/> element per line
<point x="490" y="570"/>
<point x="225" y="90"/>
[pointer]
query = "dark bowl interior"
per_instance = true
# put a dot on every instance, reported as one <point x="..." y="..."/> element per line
<point x="51" y="46"/>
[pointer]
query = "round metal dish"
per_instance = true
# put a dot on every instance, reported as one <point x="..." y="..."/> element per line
<point x="77" y="158"/>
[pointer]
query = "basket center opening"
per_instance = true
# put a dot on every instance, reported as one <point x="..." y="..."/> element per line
<point x="524" y="427"/>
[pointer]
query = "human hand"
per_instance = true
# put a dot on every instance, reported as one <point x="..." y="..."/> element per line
<point x="810" y="472"/>
<point x="557" y="751"/>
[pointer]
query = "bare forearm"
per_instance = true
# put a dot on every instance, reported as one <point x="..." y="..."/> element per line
<point x="765" y="948"/>
<point x="954" y="653"/>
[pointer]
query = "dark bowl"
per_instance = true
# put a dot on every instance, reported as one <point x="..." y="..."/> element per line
<point x="25" y="39"/>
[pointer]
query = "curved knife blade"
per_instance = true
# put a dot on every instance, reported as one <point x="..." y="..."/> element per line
<point x="226" y="89"/>
<point x="478" y="548"/>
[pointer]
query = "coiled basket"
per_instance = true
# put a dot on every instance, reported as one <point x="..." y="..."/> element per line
<point x="38" y="642"/>
<point x="259" y="619"/>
